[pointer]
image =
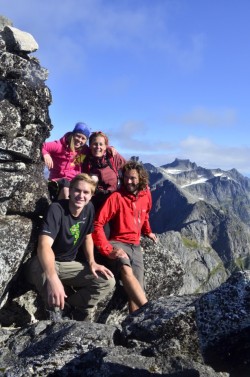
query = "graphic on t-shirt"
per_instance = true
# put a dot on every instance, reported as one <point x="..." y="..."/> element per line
<point x="75" y="231"/>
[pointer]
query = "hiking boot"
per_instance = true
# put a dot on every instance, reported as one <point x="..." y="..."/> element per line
<point x="78" y="315"/>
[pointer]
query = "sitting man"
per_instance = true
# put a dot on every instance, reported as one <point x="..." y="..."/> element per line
<point x="66" y="228"/>
<point x="127" y="211"/>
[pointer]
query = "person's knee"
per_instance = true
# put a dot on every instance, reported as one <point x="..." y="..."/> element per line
<point x="111" y="283"/>
<point x="64" y="193"/>
<point x="126" y="271"/>
<point x="106" y="283"/>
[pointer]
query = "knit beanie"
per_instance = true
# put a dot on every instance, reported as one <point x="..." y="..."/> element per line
<point x="81" y="128"/>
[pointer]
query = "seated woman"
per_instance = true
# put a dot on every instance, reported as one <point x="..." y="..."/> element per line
<point x="64" y="158"/>
<point x="104" y="165"/>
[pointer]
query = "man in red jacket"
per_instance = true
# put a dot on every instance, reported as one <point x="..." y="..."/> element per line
<point x="127" y="211"/>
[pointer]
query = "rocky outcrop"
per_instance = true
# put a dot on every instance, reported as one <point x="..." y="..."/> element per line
<point x="175" y="334"/>
<point x="25" y="124"/>
<point x="223" y="322"/>
<point x="169" y="337"/>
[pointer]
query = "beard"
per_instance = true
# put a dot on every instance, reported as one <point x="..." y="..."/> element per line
<point x="132" y="189"/>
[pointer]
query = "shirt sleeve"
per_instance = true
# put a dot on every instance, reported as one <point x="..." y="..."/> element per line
<point x="52" y="221"/>
<point x="103" y="216"/>
<point x="146" y="228"/>
<point x="50" y="147"/>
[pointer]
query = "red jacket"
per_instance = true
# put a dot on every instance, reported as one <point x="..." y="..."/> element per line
<point x="128" y="216"/>
<point x="67" y="164"/>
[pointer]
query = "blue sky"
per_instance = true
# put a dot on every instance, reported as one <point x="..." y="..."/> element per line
<point x="163" y="78"/>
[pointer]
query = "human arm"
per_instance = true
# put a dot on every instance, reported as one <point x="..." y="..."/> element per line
<point x="88" y="248"/>
<point x="146" y="228"/>
<point x="55" y="290"/>
<point x="48" y="161"/>
<point x="112" y="151"/>
<point x="152" y="236"/>
<point x="48" y="149"/>
<point x="103" y="216"/>
<point x="117" y="253"/>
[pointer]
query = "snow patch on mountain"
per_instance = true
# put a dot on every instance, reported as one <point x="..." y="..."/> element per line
<point x="200" y="180"/>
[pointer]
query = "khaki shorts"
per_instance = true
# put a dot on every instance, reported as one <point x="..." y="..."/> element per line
<point x="135" y="261"/>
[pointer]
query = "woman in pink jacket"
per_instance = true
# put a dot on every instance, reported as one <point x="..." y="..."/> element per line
<point x="64" y="157"/>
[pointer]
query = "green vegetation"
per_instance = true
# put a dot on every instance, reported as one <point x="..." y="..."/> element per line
<point x="213" y="272"/>
<point x="239" y="263"/>
<point x="190" y="244"/>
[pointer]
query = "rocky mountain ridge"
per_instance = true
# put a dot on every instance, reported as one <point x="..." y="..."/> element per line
<point x="228" y="190"/>
<point x="203" y="205"/>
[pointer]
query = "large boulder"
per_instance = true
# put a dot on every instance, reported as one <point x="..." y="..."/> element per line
<point x="24" y="126"/>
<point x="223" y="322"/>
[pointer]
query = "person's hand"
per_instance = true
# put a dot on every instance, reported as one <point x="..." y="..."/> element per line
<point x="153" y="237"/>
<point x="55" y="292"/>
<point x="118" y="253"/>
<point x="113" y="151"/>
<point x="48" y="161"/>
<point x="95" y="267"/>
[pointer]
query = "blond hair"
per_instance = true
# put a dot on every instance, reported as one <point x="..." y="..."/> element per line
<point x="86" y="178"/>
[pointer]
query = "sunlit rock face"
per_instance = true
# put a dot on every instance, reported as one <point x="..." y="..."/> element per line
<point x="24" y="125"/>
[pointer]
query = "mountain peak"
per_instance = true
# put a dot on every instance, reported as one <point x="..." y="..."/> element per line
<point x="180" y="165"/>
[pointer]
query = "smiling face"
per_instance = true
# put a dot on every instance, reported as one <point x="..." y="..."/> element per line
<point x="79" y="140"/>
<point x="98" y="146"/>
<point x="80" y="195"/>
<point x="131" y="181"/>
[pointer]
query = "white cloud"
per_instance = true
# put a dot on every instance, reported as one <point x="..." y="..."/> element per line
<point x="208" y="154"/>
<point x="202" y="151"/>
<point x="104" y="24"/>
<point x="201" y="116"/>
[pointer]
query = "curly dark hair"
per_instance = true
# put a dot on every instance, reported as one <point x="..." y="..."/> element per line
<point x="142" y="172"/>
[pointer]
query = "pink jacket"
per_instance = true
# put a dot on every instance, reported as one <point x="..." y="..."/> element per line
<point x="67" y="164"/>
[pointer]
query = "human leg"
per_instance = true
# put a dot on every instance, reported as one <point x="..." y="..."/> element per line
<point x="137" y="264"/>
<point x="36" y="276"/>
<point x="63" y="188"/>
<point x="64" y="193"/>
<point x="131" y="272"/>
<point x="136" y="295"/>
<point x="89" y="289"/>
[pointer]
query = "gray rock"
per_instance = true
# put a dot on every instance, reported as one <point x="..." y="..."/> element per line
<point x="12" y="253"/>
<point x="223" y="321"/>
<point x="17" y="40"/>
